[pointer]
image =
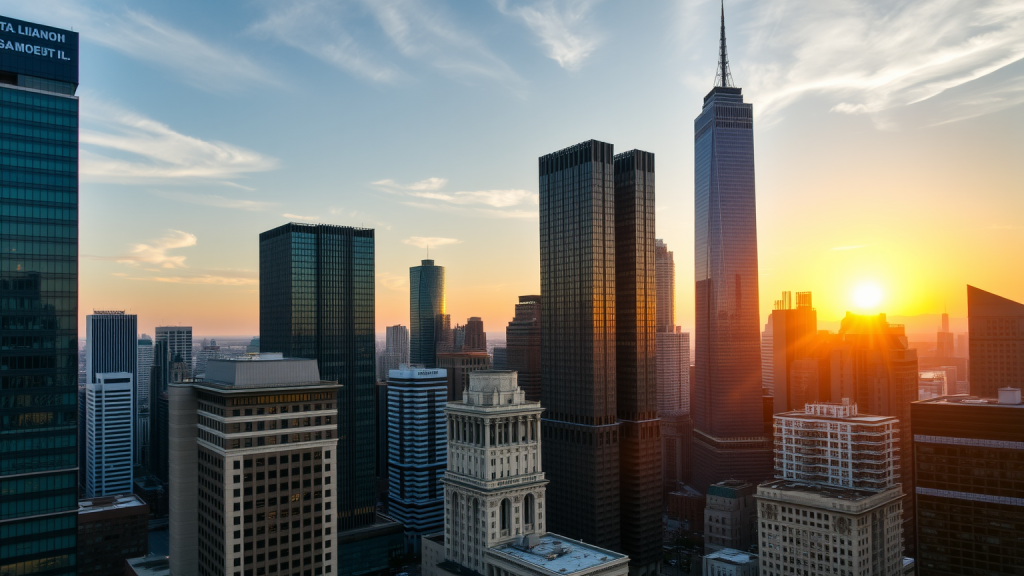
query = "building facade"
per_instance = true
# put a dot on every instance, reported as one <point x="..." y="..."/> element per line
<point x="426" y="304"/>
<point x="996" y="342"/>
<point x="728" y="430"/>
<point x="317" y="302"/>
<point x="730" y="517"/>
<point x="673" y="345"/>
<point x="636" y="383"/>
<point x="495" y="493"/>
<point x="522" y="345"/>
<point x="39" y="271"/>
<point x="458" y="366"/>
<point x="970" y="503"/>
<point x="499" y="358"/>
<point x="476" y="338"/>
<point x="179" y="345"/>
<point x="417" y="450"/>
<point x="577" y="272"/>
<point x="111" y="529"/>
<point x="396" y="350"/>
<point x="253" y="456"/>
<point x="793" y="338"/>
<point x="730" y="562"/>
<point x="144" y="367"/>
<point x="109" y="439"/>
<point x="111" y="344"/>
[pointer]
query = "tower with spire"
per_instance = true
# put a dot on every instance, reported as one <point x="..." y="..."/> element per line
<point x="729" y="438"/>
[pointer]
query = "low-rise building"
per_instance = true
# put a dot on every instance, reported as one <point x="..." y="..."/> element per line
<point x="148" y="566"/>
<point x="730" y="516"/>
<point x="111" y="529"/>
<point x="730" y="562"/>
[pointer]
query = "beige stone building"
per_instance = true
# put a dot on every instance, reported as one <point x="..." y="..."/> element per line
<point x="495" y="493"/>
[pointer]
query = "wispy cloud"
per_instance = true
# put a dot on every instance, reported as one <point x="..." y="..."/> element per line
<point x="428" y="194"/>
<point x="297" y="217"/>
<point x="155" y="252"/>
<point x="851" y="247"/>
<point x="341" y="35"/>
<point x="391" y="281"/>
<point x="430" y="241"/>
<point x="560" y="26"/>
<point x="121" y="146"/>
<point x="204" y="279"/>
<point x="204" y="64"/>
<point x="215" y="200"/>
<point x="872" y="57"/>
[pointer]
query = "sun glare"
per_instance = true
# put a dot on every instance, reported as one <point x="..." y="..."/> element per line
<point x="867" y="297"/>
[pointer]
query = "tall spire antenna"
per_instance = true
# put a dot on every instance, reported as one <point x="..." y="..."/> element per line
<point x="723" y="77"/>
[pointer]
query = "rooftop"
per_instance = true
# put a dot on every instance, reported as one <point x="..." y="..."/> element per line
<point x="968" y="400"/>
<point x="151" y="565"/>
<point x="104" y="503"/>
<point x="823" y="490"/>
<point x="732" y="556"/>
<point x="264" y="370"/>
<point x="560" y="555"/>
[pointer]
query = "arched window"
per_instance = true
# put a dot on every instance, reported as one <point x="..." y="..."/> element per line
<point x="528" y="506"/>
<point x="506" y="514"/>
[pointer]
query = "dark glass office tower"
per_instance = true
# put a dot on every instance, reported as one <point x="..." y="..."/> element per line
<point x="996" y="326"/>
<point x="729" y="438"/>
<point x="577" y="278"/>
<point x="317" y="301"/>
<point x="426" y="303"/>
<point x="636" y="363"/>
<point x="39" y="289"/>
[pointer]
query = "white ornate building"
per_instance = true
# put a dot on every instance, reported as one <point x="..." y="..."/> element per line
<point x="494" y="492"/>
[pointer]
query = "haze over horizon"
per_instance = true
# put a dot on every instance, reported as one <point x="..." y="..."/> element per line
<point x="887" y="142"/>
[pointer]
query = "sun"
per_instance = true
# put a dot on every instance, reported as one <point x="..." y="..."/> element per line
<point x="867" y="296"/>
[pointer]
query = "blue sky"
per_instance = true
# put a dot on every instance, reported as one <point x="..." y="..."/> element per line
<point x="888" y="138"/>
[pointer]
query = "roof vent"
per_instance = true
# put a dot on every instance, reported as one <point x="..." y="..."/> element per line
<point x="1009" y="395"/>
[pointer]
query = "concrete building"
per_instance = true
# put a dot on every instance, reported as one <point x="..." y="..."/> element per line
<point x="458" y="366"/>
<point x="143" y="375"/>
<point x="996" y="341"/>
<point x="475" y="338"/>
<point x="793" y="337"/>
<point x="522" y="344"/>
<point x="933" y="383"/>
<point x="819" y="530"/>
<point x="417" y="450"/>
<point x="148" y="566"/>
<point x="767" y="357"/>
<point x="109" y="441"/>
<point x="252" y="459"/>
<point x="111" y="529"/>
<point x="833" y="444"/>
<point x="396" y="350"/>
<point x="970" y="499"/>
<point x="179" y="345"/>
<point x="730" y="516"/>
<point x="728" y="562"/>
<point x="676" y="446"/>
<point x="495" y="493"/>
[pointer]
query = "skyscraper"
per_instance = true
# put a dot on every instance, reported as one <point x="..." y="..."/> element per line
<point x="522" y="344"/>
<point x="794" y="332"/>
<point x="636" y="365"/>
<point x="109" y="440"/>
<point x="426" y="303"/>
<point x="144" y="365"/>
<point x="673" y="345"/>
<point x="111" y="345"/>
<point x="317" y="301"/>
<point x="476" y="338"/>
<point x="417" y="450"/>
<point x="729" y="438"/>
<point x="179" y="345"/>
<point x="39" y="217"/>
<point x="577" y="276"/>
<point x="996" y="342"/>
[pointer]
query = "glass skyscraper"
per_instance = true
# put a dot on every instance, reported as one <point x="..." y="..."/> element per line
<point x="317" y="301"/>
<point x="426" y="304"/>
<point x="577" y="281"/>
<point x="38" y="299"/>
<point x="729" y="438"/>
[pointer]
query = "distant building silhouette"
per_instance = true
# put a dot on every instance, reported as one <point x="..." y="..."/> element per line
<point x="459" y="365"/>
<point x="522" y="345"/>
<point x="476" y="338"/>
<point x="996" y="342"/>
<point x="793" y="338"/>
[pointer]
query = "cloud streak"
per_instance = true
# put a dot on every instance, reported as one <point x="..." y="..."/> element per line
<point x="560" y="27"/>
<point x="428" y="194"/>
<point x="872" y="57"/>
<point x="430" y="241"/>
<point x="155" y="253"/>
<point x="215" y="201"/>
<point x="297" y="217"/>
<point x="121" y="146"/>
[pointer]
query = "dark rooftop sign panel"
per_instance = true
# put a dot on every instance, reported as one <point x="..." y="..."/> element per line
<point x="37" y="50"/>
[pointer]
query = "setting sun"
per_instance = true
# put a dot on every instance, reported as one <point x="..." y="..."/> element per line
<point x="867" y="296"/>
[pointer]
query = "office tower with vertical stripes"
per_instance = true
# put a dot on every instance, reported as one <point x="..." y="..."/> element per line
<point x="179" y="345"/>
<point x="109" y="437"/>
<point x="728" y="429"/>
<point x="39" y="271"/>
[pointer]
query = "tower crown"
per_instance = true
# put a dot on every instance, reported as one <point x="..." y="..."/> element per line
<point x="723" y="76"/>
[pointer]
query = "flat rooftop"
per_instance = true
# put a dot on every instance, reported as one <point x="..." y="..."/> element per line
<point x="732" y="556"/>
<point x="151" y="565"/>
<point x="560" y="555"/>
<point x="968" y="400"/>
<point x="105" y="503"/>
<point x="265" y="370"/>
<point x="823" y="490"/>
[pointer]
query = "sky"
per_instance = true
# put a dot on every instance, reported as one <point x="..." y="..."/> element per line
<point x="888" y="140"/>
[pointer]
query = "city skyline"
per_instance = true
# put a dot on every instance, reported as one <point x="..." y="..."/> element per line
<point x="181" y="253"/>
